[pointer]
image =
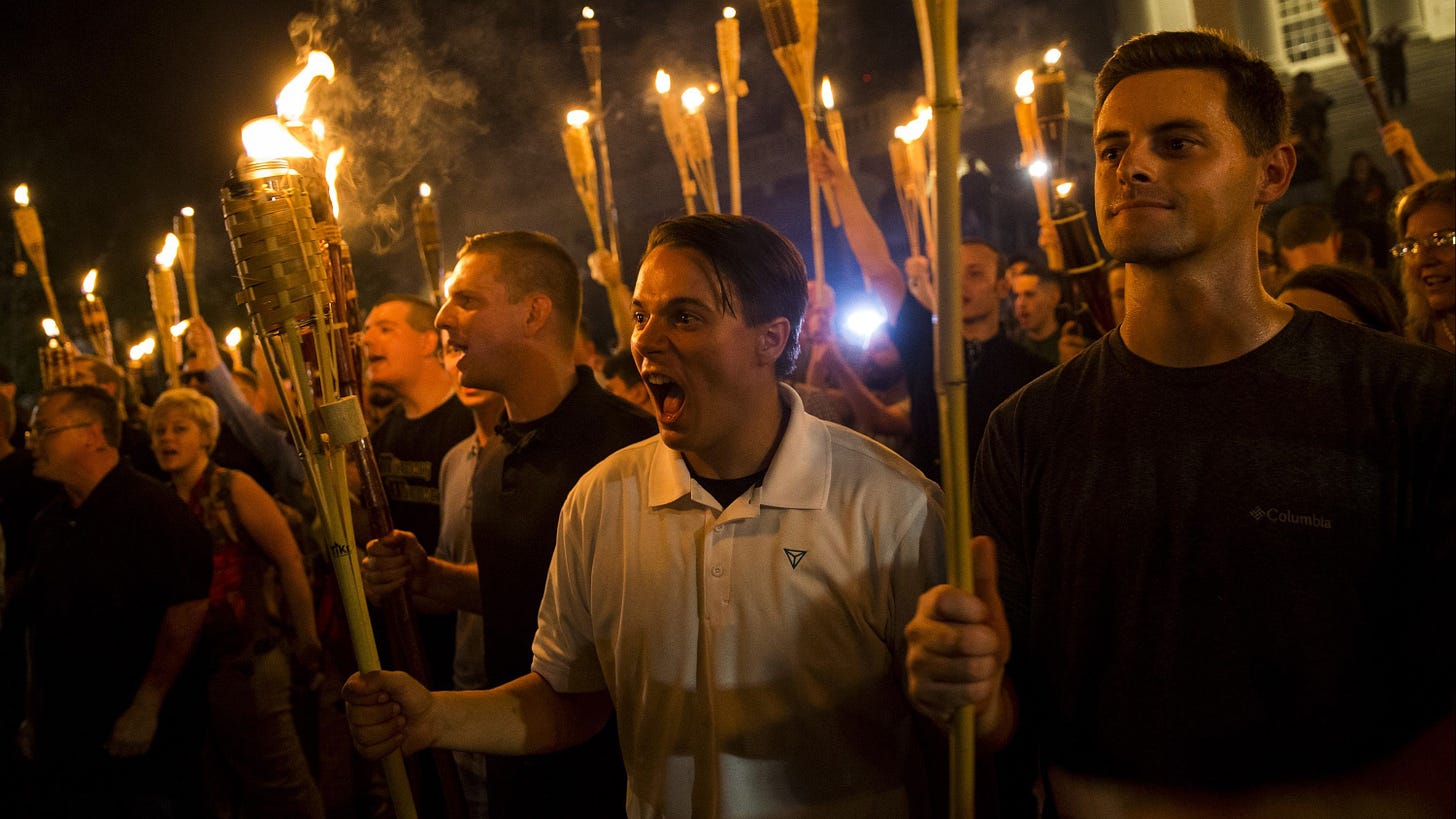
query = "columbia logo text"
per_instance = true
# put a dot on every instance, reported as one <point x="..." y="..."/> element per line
<point x="1273" y="515"/>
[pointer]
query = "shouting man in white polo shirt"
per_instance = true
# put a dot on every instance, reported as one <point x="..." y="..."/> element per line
<point x="737" y="586"/>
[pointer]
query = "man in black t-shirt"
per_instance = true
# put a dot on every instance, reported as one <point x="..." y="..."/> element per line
<point x="1210" y="608"/>
<point x="511" y="314"/>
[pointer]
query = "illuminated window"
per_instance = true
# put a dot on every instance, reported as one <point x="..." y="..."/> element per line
<point x="1304" y="32"/>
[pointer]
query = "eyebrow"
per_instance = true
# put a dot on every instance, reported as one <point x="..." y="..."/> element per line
<point x="678" y="302"/>
<point x="1160" y="128"/>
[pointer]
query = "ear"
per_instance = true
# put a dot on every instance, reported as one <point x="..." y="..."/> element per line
<point x="429" y="343"/>
<point x="539" y="311"/>
<point x="773" y="336"/>
<point x="1003" y="287"/>
<point x="1276" y="170"/>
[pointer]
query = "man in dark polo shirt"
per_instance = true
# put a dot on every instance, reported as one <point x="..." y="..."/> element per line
<point x="114" y="603"/>
<point x="996" y="367"/>
<point x="512" y="310"/>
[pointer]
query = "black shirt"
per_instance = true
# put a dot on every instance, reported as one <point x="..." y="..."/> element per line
<point x="995" y="369"/>
<point x="521" y="480"/>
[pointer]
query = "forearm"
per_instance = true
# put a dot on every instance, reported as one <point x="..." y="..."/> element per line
<point x="180" y="627"/>
<point x="882" y="276"/>
<point x="525" y="716"/>
<point x="265" y="442"/>
<point x="449" y="587"/>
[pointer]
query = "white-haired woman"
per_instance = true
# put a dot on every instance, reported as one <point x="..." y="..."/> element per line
<point x="250" y="722"/>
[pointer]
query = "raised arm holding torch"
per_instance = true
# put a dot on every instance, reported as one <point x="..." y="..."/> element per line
<point x="1350" y="31"/>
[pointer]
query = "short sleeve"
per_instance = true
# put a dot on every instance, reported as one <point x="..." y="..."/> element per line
<point x="564" y="651"/>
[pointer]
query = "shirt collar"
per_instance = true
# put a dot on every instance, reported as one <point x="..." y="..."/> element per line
<point x="798" y="475"/>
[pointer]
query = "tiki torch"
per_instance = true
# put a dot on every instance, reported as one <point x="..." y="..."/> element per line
<point x="1082" y="258"/>
<point x="1345" y="21"/>
<point x="57" y="357"/>
<point x="427" y="236"/>
<point x="698" y="147"/>
<point x="672" y="128"/>
<point x="137" y="356"/>
<point x="589" y="34"/>
<point x="907" y="190"/>
<point x="1033" y="158"/>
<point x="729" y="53"/>
<point x="233" y="342"/>
<point x="94" y="318"/>
<point x="183" y="224"/>
<point x="793" y="31"/>
<point x="834" y="124"/>
<point x="166" y="311"/>
<point x="27" y="227"/>
<point x="912" y="136"/>
<point x="583" y="167"/>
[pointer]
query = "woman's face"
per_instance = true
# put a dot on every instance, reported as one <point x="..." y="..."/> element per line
<point x="177" y="441"/>
<point x="1433" y="268"/>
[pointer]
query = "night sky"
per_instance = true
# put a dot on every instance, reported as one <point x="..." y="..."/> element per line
<point x="118" y="115"/>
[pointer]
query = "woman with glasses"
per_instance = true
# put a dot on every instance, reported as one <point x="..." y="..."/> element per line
<point x="250" y="722"/>
<point x="1425" y="221"/>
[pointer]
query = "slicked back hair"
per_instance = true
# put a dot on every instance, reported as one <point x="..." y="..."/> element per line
<point x="758" y="272"/>
<point x="1255" y="102"/>
<point x="534" y="262"/>
<point x="93" y="404"/>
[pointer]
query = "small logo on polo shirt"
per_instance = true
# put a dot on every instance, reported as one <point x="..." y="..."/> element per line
<point x="795" y="555"/>
<point x="1273" y="515"/>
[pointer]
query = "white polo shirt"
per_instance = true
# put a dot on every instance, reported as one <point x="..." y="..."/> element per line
<point x="755" y="654"/>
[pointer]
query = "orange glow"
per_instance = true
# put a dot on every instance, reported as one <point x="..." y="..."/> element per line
<point x="293" y="99"/>
<point x="1052" y="57"/>
<point x="664" y="81"/>
<point x="169" y="252"/>
<point x="424" y="190"/>
<point x="692" y="100"/>
<point x="577" y="117"/>
<point x="22" y="196"/>
<point x="826" y="94"/>
<point x="49" y="325"/>
<point x="729" y="12"/>
<point x="234" y="338"/>
<point x="587" y="13"/>
<point x="913" y="130"/>
<point x="331" y="175"/>
<point x="88" y="284"/>
<point x="189" y="212"/>
<point x="1025" y="85"/>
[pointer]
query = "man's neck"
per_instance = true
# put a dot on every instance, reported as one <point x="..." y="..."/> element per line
<point x="486" y="416"/>
<point x="980" y="328"/>
<point x="80" y="486"/>
<point x="421" y="396"/>
<point x="544" y="382"/>
<point x="1192" y="315"/>
<point x="752" y="447"/>
<point x="1041" y="332"/>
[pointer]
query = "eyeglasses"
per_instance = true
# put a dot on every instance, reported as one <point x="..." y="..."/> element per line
<point x="38" y="434"/>
<point x="195" y="377"/>
<point x="1441" y="238"/>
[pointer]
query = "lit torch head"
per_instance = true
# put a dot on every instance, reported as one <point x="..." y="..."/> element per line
<point x="1025" y="85"/>
<point x="692" y="100"/>
<point x="22" y="195"/>
<point x="88" y="284"/>
<point x="293" y="99"/>
<point x="826" y="94"/>
<point x="331" y="176"/>
<point x="663" y="82"/>
<point x="578" y="117"/>
<point x="168" y="255"/>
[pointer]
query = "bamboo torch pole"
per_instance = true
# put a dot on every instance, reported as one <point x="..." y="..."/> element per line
<point x="27" y="227"/>
<point x="184" y="225"/>
<point x="729" y="53"/>
<point x="94" y="318"/>
<point x="698" y="147"/>
<point x="580" y="161"/>
<point x="834" y="125"/>
<point x="589" y="34"/>
<point x="162" y="284"/>
<point x="672" y="128"/>
<point x="950" y="367"/>
<point x="793" y="31"/>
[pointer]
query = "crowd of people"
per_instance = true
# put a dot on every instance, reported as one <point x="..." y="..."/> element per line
<point x="703" y="574"/>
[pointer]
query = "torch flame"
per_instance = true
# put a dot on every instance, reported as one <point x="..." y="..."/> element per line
<point x="914" y="129"/>
<point x="135" y="352"/>
<point x="267" y="138"/>
<point x="22" y="196"/>
<point x="318" y="129"/>
<point x="331" y="176"/>
<point x="1052" y="57"/>
<point x="179" y="328"/>
<point x="189" y="212"/>
<point x="424" y="190"/>
<point x="577" y="117"/>
<point x="49" y="325"/>
<point x="692" y="100"/>
<point x="148" y="345"/>
<point x="826" y="94"/>
<point x="729" y="12"/>
<point x="294" y="96"/>
<point x="169" y="252"/>
<point x="664" y="81"/>
<point x="234" y="338"/>
<point x="88" y="284"/>
<point x="1025" y="85"/>
<point x="923" y="113"/>
<point x="587" y="13"/>
<point x="1064" y="188"/>
<point x="1038" y="168"/>
<point x="900" y="134"/>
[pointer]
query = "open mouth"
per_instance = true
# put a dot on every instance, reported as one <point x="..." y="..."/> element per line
<point x="667" y="396"/>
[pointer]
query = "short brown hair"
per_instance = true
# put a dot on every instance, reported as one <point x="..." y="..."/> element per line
<point x="534" y="263"/>
<point x="1255" y="102"/>
<point x="95" y="404"/>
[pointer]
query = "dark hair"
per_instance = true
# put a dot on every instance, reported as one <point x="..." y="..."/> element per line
<point x="1001" y="263"/>
<point x="533" y="262"/>
<point x="620" y="365"/>
<point x="1366" y="297"/>
<point x="7" y="417"/>
<point x="95" y="404"/>
<point x="420" y="316"/>
<point x="1255" y="102"/>
<point x="756" y="268"/>
<point x="1304" y="225"/>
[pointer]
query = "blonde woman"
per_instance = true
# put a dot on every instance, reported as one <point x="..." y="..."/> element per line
<point x="251" y="732"/>
<point x="1425" y="248"/>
